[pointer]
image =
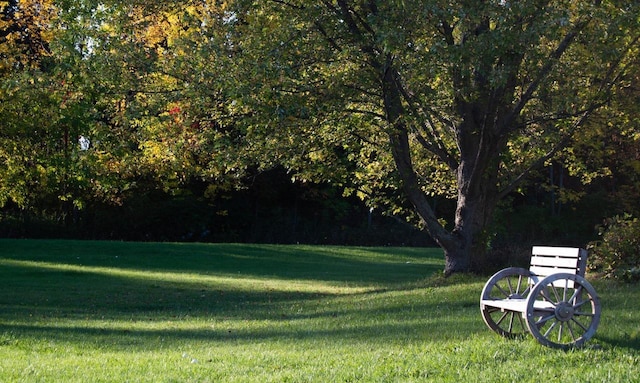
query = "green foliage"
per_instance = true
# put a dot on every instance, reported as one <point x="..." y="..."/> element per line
<point x="617" y="254"/>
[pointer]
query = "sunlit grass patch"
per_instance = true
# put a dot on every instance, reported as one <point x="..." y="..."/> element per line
<point x="193" y="280"/>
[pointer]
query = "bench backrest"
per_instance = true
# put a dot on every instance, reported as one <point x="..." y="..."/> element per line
<point x="547" y="260"/>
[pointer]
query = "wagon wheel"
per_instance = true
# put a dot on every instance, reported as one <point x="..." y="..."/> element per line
<point x="510" y="283"/>
<point x="563" y="311"/>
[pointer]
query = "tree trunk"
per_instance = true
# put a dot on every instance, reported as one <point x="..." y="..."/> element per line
<point x="478" y="195"/>
<point x="473" y="215"/>
<point x="476" y="178"/>
<point x="456" y="260"/>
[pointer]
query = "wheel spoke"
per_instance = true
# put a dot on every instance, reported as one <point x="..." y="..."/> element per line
<point x="560" y="331"/>
<point x="576" y="294"/>
<point x="511" y="322"/>
<point x="555" y="292"/>
<point x="543" y="294"/>
<point x="579" y="324"/>
<point x="504" y="315"/>
<point x="519" y="284"/>
<point x="506" y="294"/>
<point x="522" y="324"/>
<point x="581" y="303"/>
<point x="553" y="325"/>
<point x="543" y="320"/>
<point x="509" y="284"/>
<point x="573" y="336"/>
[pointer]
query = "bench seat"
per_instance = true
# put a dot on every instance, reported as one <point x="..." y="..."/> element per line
<point x="517" y="305"/>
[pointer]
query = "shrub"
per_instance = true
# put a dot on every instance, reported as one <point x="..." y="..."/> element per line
<point x="617" y="254"/>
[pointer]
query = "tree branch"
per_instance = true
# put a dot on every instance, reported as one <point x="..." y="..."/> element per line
<point x="542" y="74"/>
<point x="547" y="156"/>
<point x="332" y="42"/>
<point x="435" y="144"/>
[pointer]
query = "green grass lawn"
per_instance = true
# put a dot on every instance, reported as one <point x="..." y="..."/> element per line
<point x="73" y="311"/>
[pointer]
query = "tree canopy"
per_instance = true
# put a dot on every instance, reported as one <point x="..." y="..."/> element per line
<point x="400" y="103"/>
<point x="463" y="99"/>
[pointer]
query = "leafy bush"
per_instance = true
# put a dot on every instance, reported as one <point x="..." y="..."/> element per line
<point x="617" y="254"/>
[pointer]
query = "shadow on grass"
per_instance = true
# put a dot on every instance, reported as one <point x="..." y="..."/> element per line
<point x="632" y="343"/>
<point x="326" y="263"/>
<point x="135" y="337"/>
<point x="42" y="292"/>
<point x="116" y="280"/>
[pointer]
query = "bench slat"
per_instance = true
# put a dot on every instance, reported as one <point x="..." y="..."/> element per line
<point x="556" y="251"/>
<point x="518" y="305"/>
<point x="538" y="260"/>
<point x="546" y="271"/>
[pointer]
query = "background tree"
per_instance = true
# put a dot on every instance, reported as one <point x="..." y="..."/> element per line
<point x="56" y="89"/>
<point x="25" y="104"/>
<point x="24" y="33"/>
<point x="139" y="81"/>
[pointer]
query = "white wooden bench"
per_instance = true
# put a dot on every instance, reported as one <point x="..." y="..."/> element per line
<point x="551" y="300"/>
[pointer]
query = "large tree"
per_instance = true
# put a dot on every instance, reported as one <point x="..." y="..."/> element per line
<point x="427" y="97"/>
<point x="131" y="80"/>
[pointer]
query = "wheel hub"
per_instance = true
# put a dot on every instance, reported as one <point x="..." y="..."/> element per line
<point x="564" y="311"/>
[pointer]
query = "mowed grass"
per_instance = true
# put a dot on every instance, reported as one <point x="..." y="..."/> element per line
<point x="73" y="311"/>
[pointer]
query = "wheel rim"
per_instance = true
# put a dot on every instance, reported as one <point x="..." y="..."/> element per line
<point x="512" y="283"/>
<point x="563" y="311"/>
